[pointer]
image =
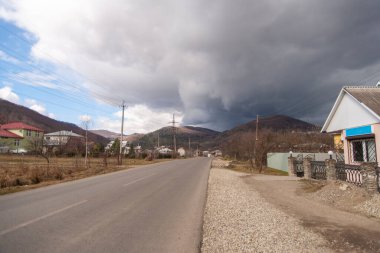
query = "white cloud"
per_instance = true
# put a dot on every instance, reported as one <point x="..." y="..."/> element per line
<point x="7" y="94"/>
<point x="8" y="58"/>
<point x="35" y="78"/>
<point x="85" y="118"/>
<point x="137" y="119"/>
<point x="36" y="106"/>
<point x="216" y="61"/>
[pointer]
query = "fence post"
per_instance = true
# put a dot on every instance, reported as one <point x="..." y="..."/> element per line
<point x="291" y="167"/>
<point x="368" y="172"/>
<point x="330" y="169"/>
<point x="307" y="168"/>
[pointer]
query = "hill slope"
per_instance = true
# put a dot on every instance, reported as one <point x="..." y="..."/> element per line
<point x="197" y="135"/>
<point x="10" y="112"/>
<point x="276" y="123"/>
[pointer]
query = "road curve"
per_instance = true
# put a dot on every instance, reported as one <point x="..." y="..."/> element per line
<point x="155" y="208"/>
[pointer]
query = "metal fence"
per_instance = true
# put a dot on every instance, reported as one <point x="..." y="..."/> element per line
<point x="349" y="173"/>
<point x="318" y="170"/>
<point x="299" y="168"/>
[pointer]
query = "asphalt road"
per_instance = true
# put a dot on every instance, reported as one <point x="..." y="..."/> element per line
<point x="155" y="208"/>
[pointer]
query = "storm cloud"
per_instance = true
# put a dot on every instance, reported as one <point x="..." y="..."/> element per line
<point x="218" y="62"/>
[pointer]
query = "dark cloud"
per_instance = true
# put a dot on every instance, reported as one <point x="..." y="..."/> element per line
<point x="220" y="62"/>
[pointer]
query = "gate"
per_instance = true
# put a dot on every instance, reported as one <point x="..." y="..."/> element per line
<point x="341" y="171"/>
<point x="318" y="170"/>
<point x="298" y="164"/>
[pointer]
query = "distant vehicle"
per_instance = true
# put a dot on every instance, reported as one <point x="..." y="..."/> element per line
<point x="18" y="151"/>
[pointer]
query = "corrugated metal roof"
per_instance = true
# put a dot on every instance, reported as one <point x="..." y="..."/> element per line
<point x="20" y="125"/>
<point x="7" y="134"/>
<point x="63" y="133"/>
<point x="368" y="95"/>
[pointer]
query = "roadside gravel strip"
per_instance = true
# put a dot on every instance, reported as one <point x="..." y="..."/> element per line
<point x="238" y="219"/>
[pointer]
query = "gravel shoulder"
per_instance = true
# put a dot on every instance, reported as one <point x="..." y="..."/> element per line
<point x="238" y="219"/>
<point x="345" y="231"/>
<point x="246" y="213"/>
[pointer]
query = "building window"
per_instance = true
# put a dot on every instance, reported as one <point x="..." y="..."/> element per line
<point x="28" y="133"/>
<point x="37" y="134"/>
<point x="17" y="143"/>
<point x="363" y="150"/>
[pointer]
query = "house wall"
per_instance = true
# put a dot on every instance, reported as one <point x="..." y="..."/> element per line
<point x="17" y="131"/>
<point x="350" y="114"/>
<point x="376" y="130"/>
<point x="8" y="142"/>
<point x="279" y="161"/>
<point x="347" y="158"/>
<point x="59" y="139"/>
<point x="347" y="149"/>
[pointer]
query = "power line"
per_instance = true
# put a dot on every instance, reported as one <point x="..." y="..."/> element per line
<point x="49" y="56"/>
<point x="56" y="79"/>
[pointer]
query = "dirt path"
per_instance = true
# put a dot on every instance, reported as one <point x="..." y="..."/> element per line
<point x="345" y="231"/>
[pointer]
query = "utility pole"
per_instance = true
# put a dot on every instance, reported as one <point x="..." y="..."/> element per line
<point x="85" y="122"/>
<point x="257" y="136"/>
<point x="174" y="137"/>
<point x="85" y="156"/>
<point x="122" y="130"/>
<point x="189" y="147"/>
<point x="257" y="127"/>
<point x="158" y="139"/>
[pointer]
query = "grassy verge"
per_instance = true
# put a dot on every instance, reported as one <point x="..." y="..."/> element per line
<point x="18" y="173"/>
<point x="310" y="186"/>
<point x="246" y="168"/>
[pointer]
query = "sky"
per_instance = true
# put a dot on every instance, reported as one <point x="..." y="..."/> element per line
<point x="213" y="64"/>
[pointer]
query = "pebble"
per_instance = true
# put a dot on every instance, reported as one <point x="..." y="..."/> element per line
<point x="238" y="219"/>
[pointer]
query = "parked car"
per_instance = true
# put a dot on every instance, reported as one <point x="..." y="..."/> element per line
<point x="18" y="151"/>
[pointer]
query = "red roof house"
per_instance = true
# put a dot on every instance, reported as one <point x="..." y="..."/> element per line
<point x="20" y="125"/>
<point x="7" y="134"/>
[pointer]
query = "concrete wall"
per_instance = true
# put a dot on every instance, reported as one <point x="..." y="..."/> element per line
<point x="279" y="161"/>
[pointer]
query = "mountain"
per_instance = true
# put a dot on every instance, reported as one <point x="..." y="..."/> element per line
<point x="198" y="136"/>
<point x="275" y="123"/>
<point x="10" y="112"/>
<point x="209" y="139"/>
<point x="112" y="135"/>
<point x="106" y="134"/>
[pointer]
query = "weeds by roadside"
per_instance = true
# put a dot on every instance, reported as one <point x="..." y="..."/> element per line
<point x="20" y="173"/>
<point x="310" y="186"/>
<point x="247" y="168"/>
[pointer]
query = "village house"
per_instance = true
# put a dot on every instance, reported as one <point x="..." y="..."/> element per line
<point x="181" y="152"/>
<point x="355" y="122"/>
<point x="58" y="141"/>
<point x="17" y="136"/>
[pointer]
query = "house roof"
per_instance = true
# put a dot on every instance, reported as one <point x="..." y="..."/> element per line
<point x="367" y="96"/>
<point x="20" y="125"/>
<point x="7" y="134"/>
<point x="64" y="133"/>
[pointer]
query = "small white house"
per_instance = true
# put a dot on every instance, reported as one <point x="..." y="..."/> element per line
<point x="181" y="151"/>
<point x="60" y="138"/>
<point x="355" y="121"/>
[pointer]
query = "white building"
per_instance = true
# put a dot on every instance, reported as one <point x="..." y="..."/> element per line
<point x="355" y="121"/>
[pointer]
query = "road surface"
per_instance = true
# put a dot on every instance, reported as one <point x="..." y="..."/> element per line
<point x="155" y="208"/>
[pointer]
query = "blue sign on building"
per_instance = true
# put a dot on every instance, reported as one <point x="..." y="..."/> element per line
<point x="359" y="131"/>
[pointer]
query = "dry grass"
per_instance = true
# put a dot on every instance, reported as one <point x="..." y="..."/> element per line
<point x="309" y="186"/>
<point x="246" y="167"/>
<point x="19" y="173"/>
